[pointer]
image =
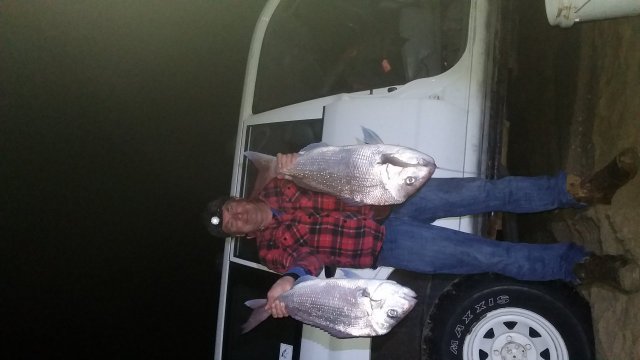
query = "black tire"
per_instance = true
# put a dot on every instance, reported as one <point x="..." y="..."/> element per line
<point x="485" y="316"/>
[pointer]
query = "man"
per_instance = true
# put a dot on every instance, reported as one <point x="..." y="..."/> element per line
<point x="298" y="231"/>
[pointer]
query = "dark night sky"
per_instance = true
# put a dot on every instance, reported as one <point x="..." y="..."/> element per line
<point x="118" y="123"/>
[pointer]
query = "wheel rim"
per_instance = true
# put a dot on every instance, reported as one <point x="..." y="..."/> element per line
<point x="514" y="334"/>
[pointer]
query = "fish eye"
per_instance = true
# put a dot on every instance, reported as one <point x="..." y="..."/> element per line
<point x="392" y="313"/>
<point x="410" y="180"/>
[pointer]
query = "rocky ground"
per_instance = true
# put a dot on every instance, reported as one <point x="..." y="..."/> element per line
<point x="573" y="104"/>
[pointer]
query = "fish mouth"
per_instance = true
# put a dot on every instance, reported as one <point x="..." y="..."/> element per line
<point x="409" y="296"/>
<point x="408" y="293"/>
<point x="426" y="162"/>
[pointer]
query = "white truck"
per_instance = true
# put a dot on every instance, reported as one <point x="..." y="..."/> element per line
<point x="420" y="73"/>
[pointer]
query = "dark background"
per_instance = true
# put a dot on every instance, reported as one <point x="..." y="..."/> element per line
<point x="118" y="123"/>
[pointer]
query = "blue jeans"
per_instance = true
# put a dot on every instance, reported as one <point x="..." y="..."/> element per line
<point x="413" y="243"/>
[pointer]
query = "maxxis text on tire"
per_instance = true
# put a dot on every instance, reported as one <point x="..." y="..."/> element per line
<point x="502" y="318"/>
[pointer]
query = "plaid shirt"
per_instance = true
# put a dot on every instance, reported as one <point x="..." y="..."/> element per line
<point x="311" y="229"/>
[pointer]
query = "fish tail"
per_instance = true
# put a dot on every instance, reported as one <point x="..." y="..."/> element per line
<point x="263" y="162"/>
<point x="266" y="165"/>
<point x="258" y="315"/>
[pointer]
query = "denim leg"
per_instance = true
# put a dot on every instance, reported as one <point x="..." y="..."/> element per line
<point x="427" y="248"/>
<point x="448" y="197"/>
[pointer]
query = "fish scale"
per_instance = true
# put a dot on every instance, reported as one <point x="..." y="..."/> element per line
<point x="340" y="310"/>
<point x="342" y="307"/>
<point x="373" y="173"/>
<point x="351" y="172"/>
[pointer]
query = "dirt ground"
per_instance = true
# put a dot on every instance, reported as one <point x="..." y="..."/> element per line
<point x="573" y="104"/>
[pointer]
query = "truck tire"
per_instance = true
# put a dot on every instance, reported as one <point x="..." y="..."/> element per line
<point x="489" y="317"/>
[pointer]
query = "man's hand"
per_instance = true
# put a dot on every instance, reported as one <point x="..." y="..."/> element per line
<point x="275" y="307"/>
<point x="284" y="162"/>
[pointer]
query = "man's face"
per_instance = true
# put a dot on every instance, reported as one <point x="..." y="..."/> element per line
<point x="240" y="217"/>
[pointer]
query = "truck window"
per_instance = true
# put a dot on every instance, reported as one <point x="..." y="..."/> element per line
<point x="317" y="48"/>
<point x="272" y="138"/>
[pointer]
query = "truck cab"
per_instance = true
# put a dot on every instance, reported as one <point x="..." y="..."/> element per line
<point x="423" y="74"/>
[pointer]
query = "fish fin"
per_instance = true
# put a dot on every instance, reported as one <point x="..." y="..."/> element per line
<point x="256" y="303"/>
<point x="350" y="274"/>
<point x="370" y="137"/>
<point x="350" y="201"/>
<point x="266" y="165"/>
<point x="339" y="334"/>
<point x="258" y="315"/>
<point x="313" y="146"/>
<point x="303" y="279"/>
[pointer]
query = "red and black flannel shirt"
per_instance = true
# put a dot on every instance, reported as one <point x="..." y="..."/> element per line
<point x="311" y="229"/>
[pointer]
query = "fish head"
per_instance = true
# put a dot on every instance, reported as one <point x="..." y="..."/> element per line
<point x="404" y="171"/>
<point x="390" y="302"/>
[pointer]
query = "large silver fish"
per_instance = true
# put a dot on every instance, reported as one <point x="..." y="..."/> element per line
<point x="374" y="174"/>
<point x="342" y="307"/>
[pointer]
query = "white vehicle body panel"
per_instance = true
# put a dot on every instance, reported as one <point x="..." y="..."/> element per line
<point x="443" y="116"/>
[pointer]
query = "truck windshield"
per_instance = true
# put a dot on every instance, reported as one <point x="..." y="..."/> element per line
<point x="317" y="48"/>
